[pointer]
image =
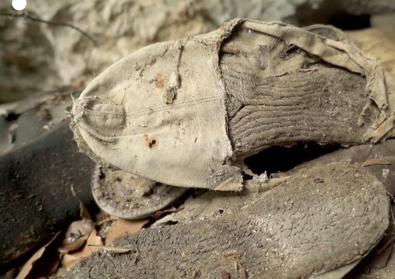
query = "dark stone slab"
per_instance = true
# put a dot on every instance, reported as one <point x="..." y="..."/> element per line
<point x="41" y="186"/>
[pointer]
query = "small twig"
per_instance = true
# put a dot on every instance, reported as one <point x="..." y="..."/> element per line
<point x="376" y="162"/>
<point x="28" y="15"/>
<point x="116" y="250"/>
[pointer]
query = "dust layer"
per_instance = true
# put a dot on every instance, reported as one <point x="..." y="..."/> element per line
<point x="317" y="221"/>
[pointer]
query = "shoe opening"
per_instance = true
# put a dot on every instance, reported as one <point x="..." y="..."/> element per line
<point x="280" y="159"/>
<point x="347" y="21"/>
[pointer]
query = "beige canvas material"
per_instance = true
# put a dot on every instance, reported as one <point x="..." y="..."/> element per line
<point x="160" y="112"/>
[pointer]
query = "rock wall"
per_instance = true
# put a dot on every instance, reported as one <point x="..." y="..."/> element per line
<point x="38" y="58"/>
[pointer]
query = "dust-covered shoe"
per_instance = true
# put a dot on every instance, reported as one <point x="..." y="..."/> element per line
<point x="187" y="112"/>
<point x="319" y="223"/>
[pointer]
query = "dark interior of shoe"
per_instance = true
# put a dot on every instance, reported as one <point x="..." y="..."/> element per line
<point x="280" y="159"/>
<point x="347" y="21"/>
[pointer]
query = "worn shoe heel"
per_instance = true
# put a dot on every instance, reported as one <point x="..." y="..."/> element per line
<point x="128" y="196"/>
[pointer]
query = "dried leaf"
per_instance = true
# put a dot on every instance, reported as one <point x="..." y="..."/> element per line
<point x="76" y="235"/>
<point x="84" y="213"/>
<point x="103" y="221"/>
<point x="122" y="227"/>
<point x="92" y="245"/>
<point x="28" y="266"/>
